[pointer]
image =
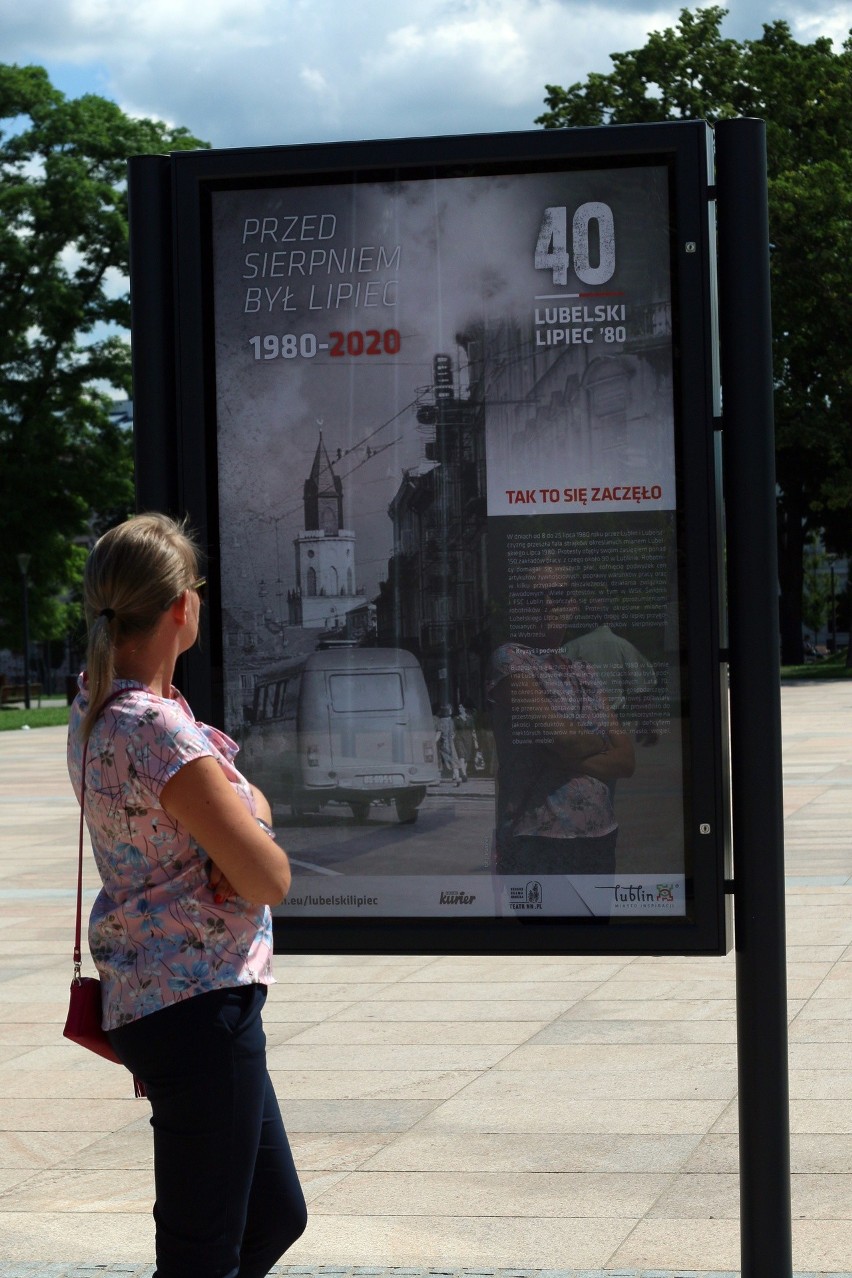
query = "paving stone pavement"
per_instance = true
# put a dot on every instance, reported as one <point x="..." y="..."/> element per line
<point x="458" y="1116"/>
<point x="38" y="1269"/>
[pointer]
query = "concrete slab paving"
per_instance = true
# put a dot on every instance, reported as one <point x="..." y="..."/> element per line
<point x="538" y="1195"/>
<point x="497" y="1153"/>
<point x="370" y="1085"/>
<point x="63" y="1270"/>
<point x="454" y="1116"/>
<point x="46" y="1269"/>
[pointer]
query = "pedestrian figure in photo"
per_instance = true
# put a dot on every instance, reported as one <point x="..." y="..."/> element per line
<point x="465" y="740"/>
<point x="450" y="765"/>
<point x="628" y="677"/>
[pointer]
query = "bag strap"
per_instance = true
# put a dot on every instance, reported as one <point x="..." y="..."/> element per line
<point x="78" y="926"/>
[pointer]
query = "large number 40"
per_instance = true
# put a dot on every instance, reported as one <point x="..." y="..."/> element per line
<point x="551" y="251"/>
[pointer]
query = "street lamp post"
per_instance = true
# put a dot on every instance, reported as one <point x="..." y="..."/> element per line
<point x="833" y="609"/>
<point x="24" y="565"/>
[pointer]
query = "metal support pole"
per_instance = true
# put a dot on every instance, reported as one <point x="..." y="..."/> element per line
<point x="24" y="565"/>
<point x="748" y="440"/>
<point x="833" y="608"/>
<point x="26" y="643"/>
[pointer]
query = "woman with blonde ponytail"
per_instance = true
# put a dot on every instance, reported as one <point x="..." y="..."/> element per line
<point x="181" y="931"/>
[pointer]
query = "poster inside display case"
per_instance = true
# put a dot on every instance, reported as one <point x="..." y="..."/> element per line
<point x="456" y="424"/>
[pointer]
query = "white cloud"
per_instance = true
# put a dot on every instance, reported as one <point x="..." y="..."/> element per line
<point x="239" y="22"/>
<point x="259" y="72"/>
<point x="834" y="22"/>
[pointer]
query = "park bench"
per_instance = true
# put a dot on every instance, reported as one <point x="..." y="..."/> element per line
<point x="10" y="693"/>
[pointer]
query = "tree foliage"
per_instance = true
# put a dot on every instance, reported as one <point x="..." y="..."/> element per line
<point x="804" y="93"/>
<point x="64" y="353"/>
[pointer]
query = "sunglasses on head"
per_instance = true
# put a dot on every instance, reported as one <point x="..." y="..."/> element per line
<point x="199" y="586"/>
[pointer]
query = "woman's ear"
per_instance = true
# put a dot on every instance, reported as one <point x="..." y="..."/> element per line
<point x="180" y="608"/>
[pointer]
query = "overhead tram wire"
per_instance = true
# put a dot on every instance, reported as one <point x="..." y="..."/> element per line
<point x="298" y="499"/>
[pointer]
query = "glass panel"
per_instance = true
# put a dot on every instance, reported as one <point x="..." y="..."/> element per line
<point x="454" y="399"/>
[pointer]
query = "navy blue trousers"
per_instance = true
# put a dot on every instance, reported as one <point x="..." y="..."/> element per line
<point x="228" y="1199"/>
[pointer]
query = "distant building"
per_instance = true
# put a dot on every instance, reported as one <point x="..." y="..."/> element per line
<point x="121" y="413"/>
<point x="434" y="598"/>
<point x="516" y="401"/>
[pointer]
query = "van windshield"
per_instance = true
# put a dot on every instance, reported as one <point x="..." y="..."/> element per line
<point x="354" y="693"/>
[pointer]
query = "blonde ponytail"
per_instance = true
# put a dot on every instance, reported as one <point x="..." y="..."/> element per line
<point x="132" y="575"/>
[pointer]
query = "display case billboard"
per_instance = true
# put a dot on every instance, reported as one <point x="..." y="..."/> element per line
<point x="444" y="413"/>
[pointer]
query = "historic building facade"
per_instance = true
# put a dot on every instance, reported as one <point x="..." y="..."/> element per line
<point x="326" y="584"/>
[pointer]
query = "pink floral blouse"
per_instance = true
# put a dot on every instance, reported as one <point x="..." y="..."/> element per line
<point x="156" y="934"/>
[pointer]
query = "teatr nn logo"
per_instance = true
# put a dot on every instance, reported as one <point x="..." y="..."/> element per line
<point x="526" y="898"/>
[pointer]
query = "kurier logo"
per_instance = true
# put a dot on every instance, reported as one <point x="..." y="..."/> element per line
<point x="456" y="897"/>
<point x="528" y="897"/>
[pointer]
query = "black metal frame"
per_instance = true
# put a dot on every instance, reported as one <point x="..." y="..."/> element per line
<point x="175" y="430"/>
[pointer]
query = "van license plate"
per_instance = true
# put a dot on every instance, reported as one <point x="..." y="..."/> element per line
<point x="384" y="779"/>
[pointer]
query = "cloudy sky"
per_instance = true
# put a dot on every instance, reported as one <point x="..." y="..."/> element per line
<point x="267" y="72"/>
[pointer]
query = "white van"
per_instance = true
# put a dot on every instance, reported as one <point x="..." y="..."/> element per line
<point x="349" y="725"/>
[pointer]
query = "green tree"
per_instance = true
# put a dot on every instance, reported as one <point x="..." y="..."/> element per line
<point x="804" y="93"/>
<point x="64" y="353"/>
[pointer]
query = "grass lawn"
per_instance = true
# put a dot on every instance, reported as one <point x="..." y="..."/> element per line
<point x="46" y="717"/>
<point x="833" y="667"/>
